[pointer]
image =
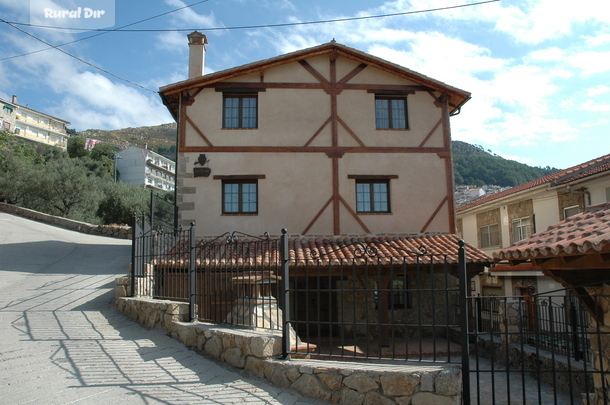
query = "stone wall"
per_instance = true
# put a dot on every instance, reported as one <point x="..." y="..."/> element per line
<point x="259" y="351"/>
<point x="114" y="231"/>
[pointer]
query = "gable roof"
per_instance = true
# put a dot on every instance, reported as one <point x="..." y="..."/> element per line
<point x="580" y="171"/>
<point x="585" y="233"/>
<point x="170" y="93"/>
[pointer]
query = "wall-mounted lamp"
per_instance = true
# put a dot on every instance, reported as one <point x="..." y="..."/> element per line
<point x="202" y="171"/>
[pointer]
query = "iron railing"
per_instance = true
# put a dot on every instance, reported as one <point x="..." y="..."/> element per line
<point x="363" y="307"/>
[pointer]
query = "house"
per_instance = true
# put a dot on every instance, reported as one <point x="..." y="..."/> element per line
<point x="144" y="167"/>
<point x="500" y="220"/>
<point x="327" y="140"/>
<point x="351" y="154"/>
<point x="32" y="125"/>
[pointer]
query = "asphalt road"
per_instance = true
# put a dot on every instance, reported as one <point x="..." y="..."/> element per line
<point x="61" y="342"/>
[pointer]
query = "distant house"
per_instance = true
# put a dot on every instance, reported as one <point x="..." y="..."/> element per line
<point x="33" y="125"/>
<point x="145" y="167"/>
<point x="497" y="221"/>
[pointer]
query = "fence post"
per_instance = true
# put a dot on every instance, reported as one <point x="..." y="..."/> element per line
<point x="192" y="273"/>
<point x="135" y="229"/>
<point x="152" y="208"/>
<point x="578" y="355"/>
<point x="464" y="323"/>
<point x="286" y="295"/>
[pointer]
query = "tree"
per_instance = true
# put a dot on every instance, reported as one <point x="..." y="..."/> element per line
<point x="121" y="201"/>
<point x="64" y="189"/>
<point x="76" y="147"/>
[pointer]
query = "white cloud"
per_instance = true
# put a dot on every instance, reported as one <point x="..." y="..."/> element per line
<point x="591" y="62"/>
<point x="593" y="106"/>
<point x="597" y="90"/>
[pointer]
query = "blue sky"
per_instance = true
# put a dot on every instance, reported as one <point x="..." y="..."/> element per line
<point x="538" y="70"/>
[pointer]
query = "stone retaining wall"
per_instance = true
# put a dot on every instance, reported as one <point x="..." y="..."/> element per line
<point x="115" y="231"/>
<point x="259" y="351"/>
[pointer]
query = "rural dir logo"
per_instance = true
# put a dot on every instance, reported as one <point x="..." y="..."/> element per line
<point x="89" y="14"/>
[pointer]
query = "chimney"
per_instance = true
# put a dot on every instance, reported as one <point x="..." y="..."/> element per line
<point x="197" y="42"/>
<point x="14" y="99"/>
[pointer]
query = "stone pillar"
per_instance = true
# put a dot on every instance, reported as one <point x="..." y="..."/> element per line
<point x="144" y="286"/>
<point x="509" y="313"/>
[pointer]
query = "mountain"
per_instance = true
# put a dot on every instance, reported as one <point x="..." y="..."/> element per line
<point x="472" y="164"/>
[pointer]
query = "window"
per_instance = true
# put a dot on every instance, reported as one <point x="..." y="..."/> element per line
<point x="372" y="196"/>
<point x="522" y="229"/>
<point x="391" y="113"/>
<point x="7" y="109"/>
<point x="568" y="212"/>
<point x="489" y="236"/>
<point x="240" y="111"/>
<point x="398" y="293"/>
<point x="240" y="196"/>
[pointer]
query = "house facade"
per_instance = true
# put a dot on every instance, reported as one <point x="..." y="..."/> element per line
<point x="33" y="125"/>
<point x="327" y="140"/>
<point x="500" y="220"/>
<point x="348" y="152"/>
<point x="144" y="167"/>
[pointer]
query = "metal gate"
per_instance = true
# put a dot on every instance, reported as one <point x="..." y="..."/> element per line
<point x="537" y="349"/>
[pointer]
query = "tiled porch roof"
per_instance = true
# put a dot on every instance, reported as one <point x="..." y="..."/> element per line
<point x="438" y="248"/>
<point x="331" y="251"/>
<point x="586" y="169"/>
<point x="588" y="232"/>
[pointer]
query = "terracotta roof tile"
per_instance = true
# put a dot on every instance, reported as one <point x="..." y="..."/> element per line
<point x="595" y="166"/>
<point x="344" y="250"/>
<point x="579" y="234"/>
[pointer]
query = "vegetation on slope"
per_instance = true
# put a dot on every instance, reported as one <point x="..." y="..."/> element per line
<point x="475" y="166"/>
<point x="76" y="184"/>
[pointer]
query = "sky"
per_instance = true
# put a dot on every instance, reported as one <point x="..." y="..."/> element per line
<point x="538" y="70"/>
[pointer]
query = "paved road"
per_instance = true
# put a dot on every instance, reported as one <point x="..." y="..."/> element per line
<point x="62" y="343"/>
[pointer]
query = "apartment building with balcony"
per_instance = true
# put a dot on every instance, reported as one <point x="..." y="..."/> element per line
<point x="145" y="167"/>
<point x="32" y="125"/>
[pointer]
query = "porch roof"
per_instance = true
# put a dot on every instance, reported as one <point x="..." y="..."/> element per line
<point x="581" y="234"/>
<point x="435" y="249"/>
<point x="422" y="248"/>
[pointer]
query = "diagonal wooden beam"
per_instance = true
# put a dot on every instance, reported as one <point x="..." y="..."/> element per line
<point x="318" y="131"/>
<point x="197" y="130"/>
<point x="440" y="121"/>
<point x="349" y="131"/>
<point x="434" y="214"/>
<point x="313" y="221"/>
<point x="355" y="215"/>
<point x="313" y="72"/>
<point x="353" y="73"/>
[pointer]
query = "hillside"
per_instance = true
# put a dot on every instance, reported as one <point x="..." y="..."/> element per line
<point x="160" y="138"/>
<point x="472" y="164"/>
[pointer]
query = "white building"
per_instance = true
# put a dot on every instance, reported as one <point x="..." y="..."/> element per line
<point x="33" y="125"/>
<point x="142" y="166"/>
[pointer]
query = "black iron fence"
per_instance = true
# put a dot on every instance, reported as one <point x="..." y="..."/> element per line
<point x="363" y="306"/>
<point x="413" y="306"/>
<point x="556" y="322"/>
<point x="552" y="337"/>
